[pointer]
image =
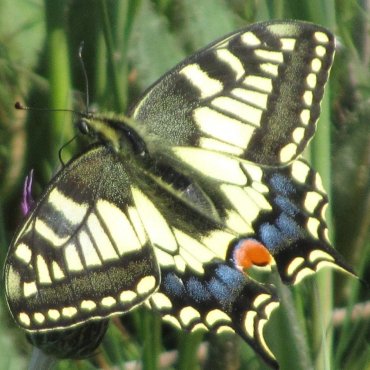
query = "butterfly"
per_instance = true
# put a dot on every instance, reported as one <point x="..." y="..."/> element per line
<point x="174" y="204"/>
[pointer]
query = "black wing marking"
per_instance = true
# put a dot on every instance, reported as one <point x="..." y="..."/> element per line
<point x="254" y="94"/>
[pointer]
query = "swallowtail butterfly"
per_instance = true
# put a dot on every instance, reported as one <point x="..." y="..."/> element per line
<point x="172" y="205"/>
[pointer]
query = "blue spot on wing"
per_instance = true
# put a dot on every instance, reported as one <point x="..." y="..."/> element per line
<point x="173" y="285"/>
<point x="282" y="184"/>
<point x="220" y="291"/>
<point x="287" y="206"/>
<point x="271" y="236"/>
<point x="289" y="227"/>
<point x="197" y="291"/>
<point x="229" y="275"/>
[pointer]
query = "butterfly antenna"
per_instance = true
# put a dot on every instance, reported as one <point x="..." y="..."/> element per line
<point x="19" y="106"/>
<point x="80" y="57"/>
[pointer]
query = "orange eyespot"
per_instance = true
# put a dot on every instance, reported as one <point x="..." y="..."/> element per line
<point x="251" y="252"/>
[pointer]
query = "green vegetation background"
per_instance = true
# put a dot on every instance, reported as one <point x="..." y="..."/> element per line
<point x="128" y="45"/>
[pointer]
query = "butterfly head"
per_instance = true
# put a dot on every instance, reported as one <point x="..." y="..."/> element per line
<point x="112" y="130"/>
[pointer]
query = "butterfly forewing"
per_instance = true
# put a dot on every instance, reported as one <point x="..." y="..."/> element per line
<point x="254" y="94"/>
<point x="83" y="252"/>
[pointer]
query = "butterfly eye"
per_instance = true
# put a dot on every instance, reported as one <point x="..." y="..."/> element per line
<point x="83" y="127"/>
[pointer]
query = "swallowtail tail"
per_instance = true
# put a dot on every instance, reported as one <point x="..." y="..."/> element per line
<point x="171" y="206"/>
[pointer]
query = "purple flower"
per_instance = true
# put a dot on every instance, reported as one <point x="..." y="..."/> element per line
<point x="27" y="201"/>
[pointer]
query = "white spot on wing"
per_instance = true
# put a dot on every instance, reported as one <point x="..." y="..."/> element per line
<point x="197" y="77"/>
<point x="288" y="152"/>
<point x="260" y="83"/>
<point x="222" y="127"/>
<point x="231" y="60"/>
<point x="172" y="320"/>
<point x="215" y="165"/>
<point x="287" y="44"/>
<point x="39" y="317"/>
<point x="305" y="116"/>
<point x="316" y="64"/>
<point x="202" y="254"/>
<point x="224" y="329"/>
<point x="215" y="316"/>
<point x="88" y="305"/>
<point x="255" y="172"/>
<point x="218" y="241"/>
<point x="311" y="201"/>
<point x="250" y="39"/>
<point x="307" y="97"/>
<point x="313" y="226"/>
<point x="180" y="263"/>
<point x="69" y="311"/>
<point x="219" y="146"/>
<point x="74" y="212"/>
<point x="252" y="97"/>
<point x="146" y="285"/>
<point x="88" y="250"/>
<point x="108" y="301"/>
<point x="57" y="271"/>
<point x="298" y="134"/>
<point x="270" y="307"/>
<point x="42" y="270"/>
<point x="261" y="324"/>
<point x="321" y="37"/>
<point x="47" y="233"/>
<point x="274" y="56"/>
<point x="29" y="289"/>
<point x="53" y="314"/>
<point x="249" y="323"/>
<point x="155" y="224"/>
<point x="237" y="223"/>
<point x="161" y="301"/>
<point x="300" y="171"/>
<point x="302" y="274"/>
<point x="317" y="254"/>
<point x="102" y="241"/>
<point x="127" y="296"/>
<point x="241" y="202"/>
<point x="294" y="265"/>
<point x="72" y="258"/>
<point x="164" y="258"/>
<point x="245" y="111"/>
<point x="260" y="300"/>
<point x="188" y="314"/>
<point x="23" y="252"/>
<point x="320" y="51"/>
<point x="119" y="227"/>
<point x="311" y="80"/>
<point x="24" y="319"/>
<point x="270" y="68"/>
<point x="138" y="225"/>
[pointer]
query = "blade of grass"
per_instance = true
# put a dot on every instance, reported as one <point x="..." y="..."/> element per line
<point x="188" y="350"/>
<point x="59" y="75"/>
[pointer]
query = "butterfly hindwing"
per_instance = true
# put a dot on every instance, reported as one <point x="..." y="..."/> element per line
<point x="83" y="252"/>
<point x="223" y="300"/>
<point x="295" y="231"/>
<point x="254" y="94"/>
